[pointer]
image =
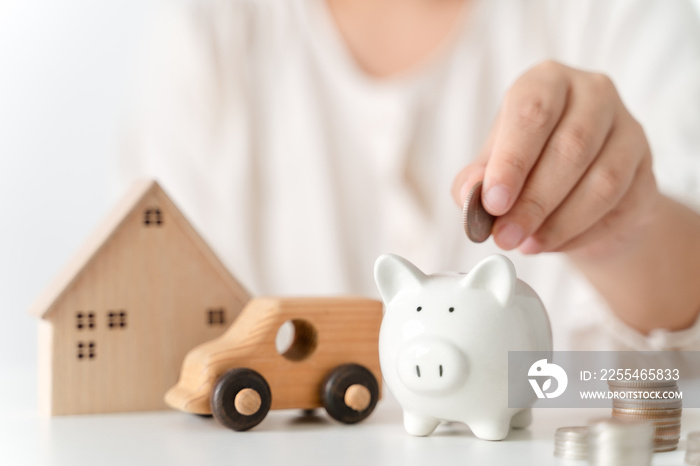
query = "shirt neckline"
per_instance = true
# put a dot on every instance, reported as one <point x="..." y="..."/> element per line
<point x="325" y="37"/>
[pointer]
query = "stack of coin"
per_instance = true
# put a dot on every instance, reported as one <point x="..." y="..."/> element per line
<point x="692" y="451"/>
<point x="649" y="400"/>
<point x="616" y="443"/>
<point x="571" y="443"/>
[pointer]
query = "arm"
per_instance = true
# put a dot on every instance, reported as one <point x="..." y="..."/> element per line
<point x="652" y="281"/>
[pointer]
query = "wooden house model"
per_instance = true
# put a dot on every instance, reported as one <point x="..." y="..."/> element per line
<point x="117" y="322"/>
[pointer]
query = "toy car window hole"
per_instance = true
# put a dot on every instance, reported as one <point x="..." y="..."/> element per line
<point x="296" y="339"/>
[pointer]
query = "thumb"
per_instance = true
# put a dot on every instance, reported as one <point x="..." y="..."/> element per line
<point x="466" y="179"/>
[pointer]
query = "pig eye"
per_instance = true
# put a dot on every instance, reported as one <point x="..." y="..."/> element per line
<point x="452" y="309"/>
<point x="419" y="308"/>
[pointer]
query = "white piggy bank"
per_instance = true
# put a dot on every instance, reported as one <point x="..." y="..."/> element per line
<point x="444" y="342"/>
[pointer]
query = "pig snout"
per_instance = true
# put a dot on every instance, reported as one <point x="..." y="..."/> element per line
<point x="432" y="366"/>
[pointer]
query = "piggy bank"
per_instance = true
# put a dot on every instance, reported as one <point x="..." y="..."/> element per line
<point x="444" y="342"/>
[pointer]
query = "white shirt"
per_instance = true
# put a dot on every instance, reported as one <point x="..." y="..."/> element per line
<point x="300" y="169"/>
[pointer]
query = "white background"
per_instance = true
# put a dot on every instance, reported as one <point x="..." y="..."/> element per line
<point x="65" y="72"/>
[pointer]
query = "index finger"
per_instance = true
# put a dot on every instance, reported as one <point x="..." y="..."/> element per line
<point x="530" y="112"/>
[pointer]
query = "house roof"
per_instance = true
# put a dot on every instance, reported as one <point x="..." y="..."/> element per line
<point x="92" y="247"/>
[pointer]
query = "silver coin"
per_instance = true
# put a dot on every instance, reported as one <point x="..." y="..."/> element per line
<point x="571" y="442"/>
<point x="572" y="447"/>
<point x="565" y="455"/>
<point x="642" y="383"/>
<point x="692" y="451"/>
<point x="663" y="448"/>
<point x="620" y="443"/>
<point x="576" y="431"/>
<point x="658" y="442"/>
<point x="667" y="438"/>
<point x="692" y="457"/>
<point x="648" y="404"/>
<point x="628" y="390"/>
<point x="477" y="221"/>
<point x="649" y="413"/>
<point x="666" y="446"/>
<point x="659" y="429"/>
<point x="693" y="441"/>
<point x="657" y="422"/>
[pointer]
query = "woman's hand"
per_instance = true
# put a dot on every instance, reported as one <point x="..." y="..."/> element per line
<point x="565" y="168"/>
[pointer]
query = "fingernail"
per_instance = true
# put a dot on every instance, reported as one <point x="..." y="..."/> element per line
<point x="530" y="246"/>
<point x="497" y="199"/>
<point x="510" y="236"/>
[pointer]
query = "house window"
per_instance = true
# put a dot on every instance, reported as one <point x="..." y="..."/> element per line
<point x="153" y="217"/>
<point x="85" y="320"/>
<point x="86" y="350"/>
<point x="116" y="320"/>
<point x="216" y="316"/>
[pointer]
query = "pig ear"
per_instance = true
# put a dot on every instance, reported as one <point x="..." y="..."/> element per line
<point x="494" y="274"/>
<point x="393" y="274"/>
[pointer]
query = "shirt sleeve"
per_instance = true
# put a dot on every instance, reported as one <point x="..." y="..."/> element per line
<point x="656" y="54"/>
<point x="664" y="95"/>
<point x="651" y="50"/>
<point x="657" y="340"/>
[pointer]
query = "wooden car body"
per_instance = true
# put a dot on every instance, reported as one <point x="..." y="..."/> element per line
<point x="328" y="332"/>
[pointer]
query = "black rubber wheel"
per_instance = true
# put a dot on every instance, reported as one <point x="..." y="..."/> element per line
<point x="223" y="399"/>
<point x="336" y="384"/>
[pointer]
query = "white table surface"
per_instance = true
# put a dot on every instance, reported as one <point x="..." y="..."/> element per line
<point x="283" y="438"/>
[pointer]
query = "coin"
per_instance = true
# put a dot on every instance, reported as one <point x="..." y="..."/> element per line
<point x="675" y="429"/>
<point x="663" y="448"/>
<point x="642" y="383"/>
<point x="620" y="443"/>
<point x="649" y="413"/>
<point x="675" y="421"/>
<point x="572" y="431"/>
<point x="667" y="438"/>
<point x="660" y="391"/>
<point x="694" y="440"/>
<point x="571" y="443"/>
<point x="477" y="221"/>
<point x="692" y="451"/>
<point x="636" y="404"/>
<point x="648" y="404"/>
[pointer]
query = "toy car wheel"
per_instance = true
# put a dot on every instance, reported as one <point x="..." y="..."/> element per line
<point x="241" y="399"/>
<point x="350" y="393"/>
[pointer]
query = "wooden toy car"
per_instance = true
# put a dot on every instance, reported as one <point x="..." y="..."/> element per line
<point x="284" y="353"/>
